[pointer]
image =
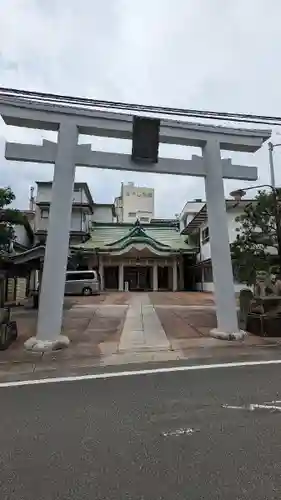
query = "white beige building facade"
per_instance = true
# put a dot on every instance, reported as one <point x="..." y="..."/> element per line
<point x="135" y="202"/>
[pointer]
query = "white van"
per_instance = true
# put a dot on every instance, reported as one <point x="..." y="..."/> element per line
<point x="82" y="283"/>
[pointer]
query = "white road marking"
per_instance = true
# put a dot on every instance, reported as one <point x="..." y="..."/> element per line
<point x="180" y="432"/>
<point x="230" y="407"/>
<point x="130" y="373"/>
<point x="267" y="407"/>
<point x="252" y="407"/>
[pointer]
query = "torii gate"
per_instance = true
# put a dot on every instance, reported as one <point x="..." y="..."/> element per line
<point x="70" y="121"/>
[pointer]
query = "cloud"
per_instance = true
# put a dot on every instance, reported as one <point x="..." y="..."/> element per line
<point x="190" y="53"/>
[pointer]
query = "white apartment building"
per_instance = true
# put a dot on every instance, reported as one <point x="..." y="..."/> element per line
<point x="134" y="203"/>
<point x="84" y="211"/>
<point x="194" y="224"/>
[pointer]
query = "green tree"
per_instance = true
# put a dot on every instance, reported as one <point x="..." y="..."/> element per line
<point x="8" y="219"/>
<point x="257" y="236"/>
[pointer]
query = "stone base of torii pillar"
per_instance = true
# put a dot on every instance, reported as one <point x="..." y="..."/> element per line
<point x="218" y="334"/>
<point x="36" y="345"/>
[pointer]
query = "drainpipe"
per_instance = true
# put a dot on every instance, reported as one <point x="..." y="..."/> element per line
<point x="98" y="262"/>
<point x="81" y="199"/>
<point x="202" y="268"/>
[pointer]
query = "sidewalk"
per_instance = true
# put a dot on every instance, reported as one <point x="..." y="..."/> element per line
<point x="126" y="328"/>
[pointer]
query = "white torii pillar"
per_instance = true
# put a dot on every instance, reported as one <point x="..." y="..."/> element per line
<point x="48" y="335"/>
<point x="227" y="318"/>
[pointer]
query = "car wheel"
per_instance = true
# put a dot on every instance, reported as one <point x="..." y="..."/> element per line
<point x="5" y="337"/>
<point x="87" y="291"/>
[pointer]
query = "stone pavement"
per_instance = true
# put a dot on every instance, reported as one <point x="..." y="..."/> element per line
<point x="142" y="328"/>
<point x="184" y="322"/>
<point x="88" y="325"/>
<point x="124" y="327"/>
<point x="182" y="299"/>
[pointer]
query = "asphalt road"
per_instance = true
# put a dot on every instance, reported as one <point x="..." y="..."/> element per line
<point x="130" y="438"/>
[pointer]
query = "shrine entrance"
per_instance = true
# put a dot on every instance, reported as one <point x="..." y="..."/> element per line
<point x="163" y="278"/>
<point x="71" y="117"/>
<point x="139" y="278"/>
<point x="111" y="277"/>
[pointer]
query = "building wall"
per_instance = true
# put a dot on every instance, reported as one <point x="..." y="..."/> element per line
<point x="190" y="209"/>
<point x="136" y="202"/>
<point x="21" y="236"/>
<point x="80" y="218"/>
<point x="207" y="283"/>
<point x="79" y="195"/>
<point x="118" y="208"/>
<point x="44" y="194"/>
<point x="232" y="233"/>
<point x="102" y="214"/>
<point x="39" y="222"/>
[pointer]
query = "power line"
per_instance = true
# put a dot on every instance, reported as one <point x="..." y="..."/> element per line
<point x="32" y="96"/>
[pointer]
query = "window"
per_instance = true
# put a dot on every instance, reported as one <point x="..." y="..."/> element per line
<point x="205" y="235"/>
<point x="81" y="276"/>
<point x="45" y="213"/>
<point x="132" y="214"/>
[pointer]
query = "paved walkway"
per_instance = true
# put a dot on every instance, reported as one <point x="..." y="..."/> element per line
<point x="124" y="328"/>
<point x="142" y="328"/>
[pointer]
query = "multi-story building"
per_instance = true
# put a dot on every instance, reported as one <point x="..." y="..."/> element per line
<point x="135" y="203"/>
<point x="82" y="209"/>
<point x="194" y="224"/>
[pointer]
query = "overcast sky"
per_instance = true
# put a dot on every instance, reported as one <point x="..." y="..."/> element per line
<point x="205" y="54"/>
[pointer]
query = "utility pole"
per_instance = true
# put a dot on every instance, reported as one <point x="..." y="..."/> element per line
<point x="271" y="164"/>
<point x="277" y="222"/>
